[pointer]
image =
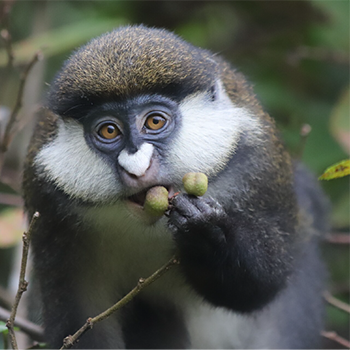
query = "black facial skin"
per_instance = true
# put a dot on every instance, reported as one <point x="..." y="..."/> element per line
<point x="130" y="117"/>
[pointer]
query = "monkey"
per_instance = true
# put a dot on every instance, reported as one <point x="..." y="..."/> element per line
<point x="140" y="107"/>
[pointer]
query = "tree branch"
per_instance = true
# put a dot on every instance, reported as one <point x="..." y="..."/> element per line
<point x="338" y="238"/>
<point x="69" y="341"/>
<point x="337" y="338"/>
<point x="13" y="118"/>
<point x="30" y="328"/>
<point x="9" y="131"/>
<point x="304" y="134"/>
<point x="336" y="302"/>
<point x="6" y="36"/>
<point x="5" y="9"/>
<point x="22" y="286"/>
<point x="11" y="199"/>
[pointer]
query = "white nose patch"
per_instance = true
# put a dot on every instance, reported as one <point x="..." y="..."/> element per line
<point x="137" y="163"/>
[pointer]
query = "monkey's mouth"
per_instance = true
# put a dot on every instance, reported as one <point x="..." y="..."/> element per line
<point x="140" y="197"/>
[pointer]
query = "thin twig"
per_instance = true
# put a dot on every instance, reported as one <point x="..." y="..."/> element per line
<point x="336" y="302"/>
<point x="338" y="238"/>
<point x="33" y="330"/>
<point x="11" y="199"/>
<point x="69" y="341"/>
<point x="304" y="134"/>
<point x="5" y="9"/>
<point x="9" y="131"/>
<point x="13" y="118"/>
<point x="22" y="285"/>
<point x="6" y="36"/>
<point x="337" y="338"/>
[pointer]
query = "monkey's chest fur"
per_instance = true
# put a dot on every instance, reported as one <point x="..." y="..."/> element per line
<point x="166" y="314"/>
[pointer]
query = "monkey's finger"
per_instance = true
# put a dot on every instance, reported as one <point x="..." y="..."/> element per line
<point x="185" y="206"/>
<point x="176" y="220"/>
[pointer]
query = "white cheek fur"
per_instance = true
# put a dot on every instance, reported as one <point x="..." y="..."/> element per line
<point x="208" y="137"/>
<point x="74" y="167"/>
<point x="210" y="132"/>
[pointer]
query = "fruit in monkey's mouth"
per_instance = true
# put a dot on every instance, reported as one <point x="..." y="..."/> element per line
<point x="156" y="201"/>
<point x="195" y="183"/>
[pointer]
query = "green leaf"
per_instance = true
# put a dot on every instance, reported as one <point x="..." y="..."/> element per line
<point x="340" y="169"/>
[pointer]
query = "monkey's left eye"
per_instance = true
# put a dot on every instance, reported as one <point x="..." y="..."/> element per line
<point x="155" y="121"/>
<point x="108" y="131"/>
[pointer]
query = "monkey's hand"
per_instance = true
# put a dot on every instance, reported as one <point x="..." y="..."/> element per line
<point x="198" y="225"/>
<point x="200" y="228"/>
<point x="219" y="257"/>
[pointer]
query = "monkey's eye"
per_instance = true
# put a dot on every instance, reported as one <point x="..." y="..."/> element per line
<point x="108" y="131"/>
<point x="155" y="121"/>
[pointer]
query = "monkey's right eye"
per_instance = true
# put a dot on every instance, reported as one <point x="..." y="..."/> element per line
<point x="108" y="131"/>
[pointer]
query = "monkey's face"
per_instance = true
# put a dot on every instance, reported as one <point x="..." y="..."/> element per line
<point x="113" y="145"/>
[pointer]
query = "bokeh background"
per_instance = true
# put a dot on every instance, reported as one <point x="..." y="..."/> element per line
<point x="295" y="53"/>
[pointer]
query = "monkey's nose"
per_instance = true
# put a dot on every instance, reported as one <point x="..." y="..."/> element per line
<point x="136" y="164"/>
<point x="148" y="179"/>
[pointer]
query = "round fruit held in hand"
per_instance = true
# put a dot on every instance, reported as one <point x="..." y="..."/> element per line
<point x="195" y="183"/>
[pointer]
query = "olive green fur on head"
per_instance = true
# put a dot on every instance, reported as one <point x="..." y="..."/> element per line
<point x="131" y="60"/>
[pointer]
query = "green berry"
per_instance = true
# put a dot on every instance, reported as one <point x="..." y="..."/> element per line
<point x="195" y="183"/>
<point x="156" y="202"/>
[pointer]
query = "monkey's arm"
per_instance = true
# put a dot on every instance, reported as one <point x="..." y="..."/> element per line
<point x="233" y="259"/>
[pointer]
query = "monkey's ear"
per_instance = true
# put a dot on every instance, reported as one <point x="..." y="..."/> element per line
<point x="213" y="92"/>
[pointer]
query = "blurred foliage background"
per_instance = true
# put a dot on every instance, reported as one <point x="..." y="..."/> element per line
<point x="296" y="54"/>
